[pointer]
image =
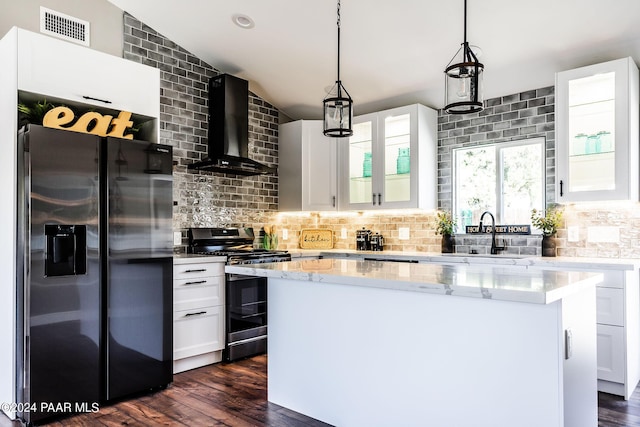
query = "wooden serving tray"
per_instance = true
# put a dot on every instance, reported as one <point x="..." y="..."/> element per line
<point x="316" y="238"/>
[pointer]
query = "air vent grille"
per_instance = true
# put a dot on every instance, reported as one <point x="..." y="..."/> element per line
<point x="64" y="26"/>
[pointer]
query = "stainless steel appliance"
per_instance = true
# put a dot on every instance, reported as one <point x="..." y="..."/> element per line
<point x="246" y="296"/>
<point x="95" y="299"/>
<point x="228" y="142"/>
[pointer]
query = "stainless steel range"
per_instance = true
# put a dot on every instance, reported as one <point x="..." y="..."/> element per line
<point x="246" y="296"/>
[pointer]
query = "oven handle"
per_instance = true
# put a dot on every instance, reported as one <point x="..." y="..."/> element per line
<point x="248" y="340"/>
<point x="195" y="314"/>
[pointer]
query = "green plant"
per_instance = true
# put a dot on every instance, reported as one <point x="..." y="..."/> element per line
<point x="34" y="113"/>
<point x="446" y="223"/>
<point x="547" y="221"/>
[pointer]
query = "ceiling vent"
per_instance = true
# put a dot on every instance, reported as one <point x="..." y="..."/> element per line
<point x="64" y="26"/>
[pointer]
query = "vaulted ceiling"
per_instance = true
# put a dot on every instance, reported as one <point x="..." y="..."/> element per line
<point x="394" y="52"/>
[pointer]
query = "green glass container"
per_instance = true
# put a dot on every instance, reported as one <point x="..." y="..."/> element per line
<point x="403" y="163"/>
<point x="366" y="165"/>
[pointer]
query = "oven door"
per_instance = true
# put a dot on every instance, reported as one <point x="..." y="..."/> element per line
<point x="246" y="316"/>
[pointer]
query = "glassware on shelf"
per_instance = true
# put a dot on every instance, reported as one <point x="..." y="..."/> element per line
<point x="606" y="142"/>
<point x="403" y="163"/>
<point x="591" y="145"/>
<point x="366" y="165"/>
<point x="579" y="144"/>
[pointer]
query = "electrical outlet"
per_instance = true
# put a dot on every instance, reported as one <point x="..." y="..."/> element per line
<point x="403" y="233"/>
<point x="177" y="238"/>
<point x="285" y="234"/>
<point x="573" y="233"/>
<point x="343" y="233"/>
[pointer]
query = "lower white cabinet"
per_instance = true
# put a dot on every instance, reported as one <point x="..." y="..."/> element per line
<point x="611" y="344"/>
<point x="198" y="312"/>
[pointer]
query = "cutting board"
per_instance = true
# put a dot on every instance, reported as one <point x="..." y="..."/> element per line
<point x="316" y="238"/>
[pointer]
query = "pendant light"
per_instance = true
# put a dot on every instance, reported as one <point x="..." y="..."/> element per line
<point x="463" y="79"/>
<point x="338" y="105"/>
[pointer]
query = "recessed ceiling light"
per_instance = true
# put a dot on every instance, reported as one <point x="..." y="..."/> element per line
<point x="243" y="21"/>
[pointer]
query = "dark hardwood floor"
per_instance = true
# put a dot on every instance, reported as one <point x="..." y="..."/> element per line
<point x="236" y="395"/>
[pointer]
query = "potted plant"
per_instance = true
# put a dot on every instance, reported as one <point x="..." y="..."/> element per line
<point x="446" y="224"/>
<point x="548" y="222"/>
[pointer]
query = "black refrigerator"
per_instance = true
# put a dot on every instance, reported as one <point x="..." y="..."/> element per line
<point x="95" y="276"/>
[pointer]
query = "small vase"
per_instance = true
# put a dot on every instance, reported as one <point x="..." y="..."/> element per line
<point x="448" y="244"/>
<point x="270" y="241"/>
<point x="548" y="245"/>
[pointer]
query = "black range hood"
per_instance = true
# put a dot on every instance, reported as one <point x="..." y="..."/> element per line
<point x="229" y="129"/>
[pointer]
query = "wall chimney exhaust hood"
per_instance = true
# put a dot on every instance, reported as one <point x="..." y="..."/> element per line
<point x="229" y="129"/>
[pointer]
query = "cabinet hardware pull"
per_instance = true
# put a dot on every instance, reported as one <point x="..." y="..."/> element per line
<point x="561" y="193"/>
<point x="196" y="271"/>
<point x="379" y="199"/>
<point x="196" y="283"/>
<point x="334" y="201"/>
<point x="195" y="314"/>
<point x="97" y="99"/>
<point x="374" y="199"/>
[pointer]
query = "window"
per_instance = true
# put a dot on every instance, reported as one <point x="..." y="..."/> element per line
<point x="506" y="179"/>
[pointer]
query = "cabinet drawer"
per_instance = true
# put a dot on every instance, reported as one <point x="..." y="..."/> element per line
<point x="80" y="71"/>
<point x="192" y="271"/>
<point x="612" y="279"/>
<point x="611" y="353"/>
<point x="188" y="296"/>
<point x="198" y="331"/>
<point x="610" y="306"/>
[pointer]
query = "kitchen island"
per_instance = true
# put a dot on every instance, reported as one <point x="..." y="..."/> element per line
<point x="375" y="343"/>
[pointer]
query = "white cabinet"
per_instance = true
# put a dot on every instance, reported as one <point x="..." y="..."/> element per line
<point x="390" y="161"/>
<point x="307" y="168"/>
<point x="198" y="312"/>
<point x="76" y="73"/>
<point x="597" y="132"/>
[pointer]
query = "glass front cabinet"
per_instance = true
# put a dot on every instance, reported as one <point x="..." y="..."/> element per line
<point x="597" y="132"/>
<point x="390" y="161"/>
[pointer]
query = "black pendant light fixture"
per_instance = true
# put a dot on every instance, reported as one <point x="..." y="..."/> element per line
<point x="463" y="79"/>
<point x="338" y="105"/>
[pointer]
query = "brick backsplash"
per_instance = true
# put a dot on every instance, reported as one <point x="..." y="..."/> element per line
<point x="204" y="199"/>
<point x="524" y="115"/>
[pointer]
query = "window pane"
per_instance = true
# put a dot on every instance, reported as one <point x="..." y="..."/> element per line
<point x="522" y="182"/>
<point x="475" y="190"/>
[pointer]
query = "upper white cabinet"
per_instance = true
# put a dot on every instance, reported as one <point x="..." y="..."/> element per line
<point x="307" y="167"/>
<point x="59" y="69"/>
<point x="390" y="161"/>
<point x="597" y="132"/>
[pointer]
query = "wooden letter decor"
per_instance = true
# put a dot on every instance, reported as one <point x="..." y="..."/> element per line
<point x="91" y="122"/>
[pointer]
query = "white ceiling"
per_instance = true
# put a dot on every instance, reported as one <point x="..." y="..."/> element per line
<point x="394" y="52"/>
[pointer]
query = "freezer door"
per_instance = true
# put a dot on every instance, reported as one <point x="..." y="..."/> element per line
<point x="61" y="273"/>
<point x="139" y="267"/>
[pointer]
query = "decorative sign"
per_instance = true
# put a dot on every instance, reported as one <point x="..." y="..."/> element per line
<point x="500" y="229"/>
<point x="316" y="238"/>
<point x="91" y="122"/>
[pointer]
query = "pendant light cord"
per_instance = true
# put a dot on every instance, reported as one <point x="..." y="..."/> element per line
<point x="338" y="23"/>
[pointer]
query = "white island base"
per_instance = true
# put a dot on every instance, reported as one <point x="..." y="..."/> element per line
<point x="365" y="356"/>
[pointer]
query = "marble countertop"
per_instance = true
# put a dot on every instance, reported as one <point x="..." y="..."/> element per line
<point x="461" y="258"/>
<point x="496" y="282"/>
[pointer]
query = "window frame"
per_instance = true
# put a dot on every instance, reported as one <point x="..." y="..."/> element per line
<point x="499" y="147"/>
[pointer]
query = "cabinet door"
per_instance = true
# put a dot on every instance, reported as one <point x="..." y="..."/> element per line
<point x="611" y="353"/>
<point x="319" y="169"/>
<point x="359" y="165"/>
<point x="397" y="130"/>
<point x="63" y="70"/>
<point x="597" y="132"/>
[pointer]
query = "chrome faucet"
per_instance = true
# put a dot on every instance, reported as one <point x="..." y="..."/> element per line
<point x="494" y="247"/>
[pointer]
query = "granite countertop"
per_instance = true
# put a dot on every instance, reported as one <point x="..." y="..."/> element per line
<point x="461" y="258"/>
<point x="495" y="282"/>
